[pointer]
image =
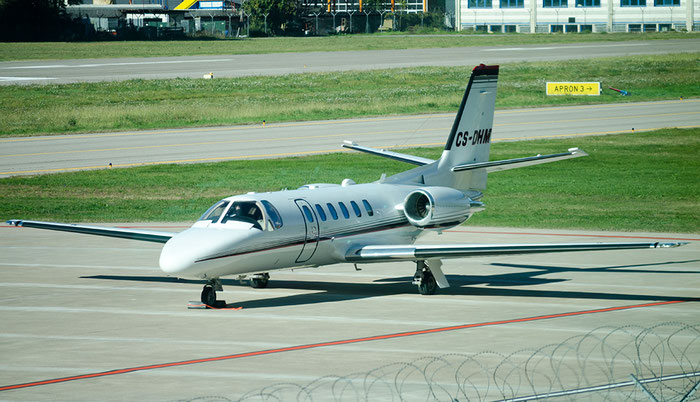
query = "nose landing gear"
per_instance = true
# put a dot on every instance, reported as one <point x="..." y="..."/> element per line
<point x="209" y="293"/>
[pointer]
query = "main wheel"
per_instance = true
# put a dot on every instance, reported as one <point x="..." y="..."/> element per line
<point x="428" y="285"/>
<point x="208" y="295"/>
<point x="258" y="283"/>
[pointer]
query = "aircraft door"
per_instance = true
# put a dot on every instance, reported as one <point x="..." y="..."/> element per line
<point x="312" y="230"/>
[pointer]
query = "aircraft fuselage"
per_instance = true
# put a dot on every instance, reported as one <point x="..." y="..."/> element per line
<point x="315" y="225"/>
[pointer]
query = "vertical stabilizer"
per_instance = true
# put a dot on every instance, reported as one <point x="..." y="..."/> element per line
<point x="470" y="138"/>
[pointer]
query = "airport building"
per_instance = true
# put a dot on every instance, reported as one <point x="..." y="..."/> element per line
<point x="522" y="16"/>
<point x="543" y="16"/>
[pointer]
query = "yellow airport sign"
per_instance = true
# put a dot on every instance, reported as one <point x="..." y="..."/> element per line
<point x="573" y="88"/>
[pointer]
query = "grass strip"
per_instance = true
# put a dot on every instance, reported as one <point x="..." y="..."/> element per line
<point x="632" y="182"/>
<point x="150" y="104"/>
<point x="97" y="50"/>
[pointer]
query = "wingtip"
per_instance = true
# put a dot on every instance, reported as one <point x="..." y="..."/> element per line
<point x="671" y="244"/>
<point x="578" y="152"/>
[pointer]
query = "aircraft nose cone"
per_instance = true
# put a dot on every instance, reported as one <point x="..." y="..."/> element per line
<point x="181" y="253"/>
<point x="174" y="259"/>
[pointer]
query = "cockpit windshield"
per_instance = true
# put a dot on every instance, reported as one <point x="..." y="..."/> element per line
<point x="214" y="213"/>
<point x="245" y="211"/>
<point x="252" y="212"/>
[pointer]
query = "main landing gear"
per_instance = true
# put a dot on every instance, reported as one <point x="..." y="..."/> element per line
<point x="259" y="281"/>
<point x="427" y="285"/>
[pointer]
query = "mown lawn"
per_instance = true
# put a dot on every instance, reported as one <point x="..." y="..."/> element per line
<point x="147" y="104"/>
<point x="635" y="182"/>
<point x="96" y="50"/>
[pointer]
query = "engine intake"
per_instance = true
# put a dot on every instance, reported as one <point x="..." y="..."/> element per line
<point x="432" y="207"/>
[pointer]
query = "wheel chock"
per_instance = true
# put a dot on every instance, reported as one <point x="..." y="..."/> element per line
<point x="219" y="305"/>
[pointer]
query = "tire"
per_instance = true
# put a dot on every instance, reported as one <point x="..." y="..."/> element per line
<point x="208" y="296"/>
<point x="428" y="285"/>
<point x="259" y="283"/>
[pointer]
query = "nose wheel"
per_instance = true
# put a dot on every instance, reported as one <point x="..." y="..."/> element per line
<point x="209" y="292"/>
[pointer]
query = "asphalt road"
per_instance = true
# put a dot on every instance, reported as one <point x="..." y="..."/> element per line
<point x="87" y="70"/>
<point x="37" y="155"/>
<point x="80" y="306"/>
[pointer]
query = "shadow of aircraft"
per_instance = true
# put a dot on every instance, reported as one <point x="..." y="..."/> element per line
<point x="461" y="285"/>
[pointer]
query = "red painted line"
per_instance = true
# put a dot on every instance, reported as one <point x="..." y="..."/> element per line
<point x="571" y="235"/>
<point x="334" y="343"/>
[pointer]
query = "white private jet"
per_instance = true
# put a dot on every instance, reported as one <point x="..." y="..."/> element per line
<point x="320" y="224"/>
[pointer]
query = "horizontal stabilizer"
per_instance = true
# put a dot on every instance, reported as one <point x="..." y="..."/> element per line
<point x="415" y="160"/>
<point x="133" y="234"/>
<point x="429" y="251"/>
<point x="496" y="166"/>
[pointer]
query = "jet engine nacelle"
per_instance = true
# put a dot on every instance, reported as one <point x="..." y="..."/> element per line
<point x="434" y="207"/>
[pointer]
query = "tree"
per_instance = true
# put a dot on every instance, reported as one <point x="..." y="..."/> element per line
<point x="35" y="20"/>
<point x="279" y="11"/>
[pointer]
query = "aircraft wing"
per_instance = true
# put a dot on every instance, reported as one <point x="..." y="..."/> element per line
<point x="415" y="160"/>
<point x="416" y="252"/>
<point x="133" y="234"/>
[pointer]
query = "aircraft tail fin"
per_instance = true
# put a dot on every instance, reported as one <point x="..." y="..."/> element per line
<point x="470" y="138"/>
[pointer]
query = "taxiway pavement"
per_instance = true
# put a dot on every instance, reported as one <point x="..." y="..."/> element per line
<point x="74" y="305"/>
<point x="49" y="154"/>
<point x="90" y="70"/>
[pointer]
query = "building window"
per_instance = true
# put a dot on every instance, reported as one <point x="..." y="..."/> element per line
<point x="512" y="4"/>
<point x="554" y="3"/>
<point x="479" y="3"/>
<point x="633" y="3"/>
<point x="667" y="3"/>
<point x="587" y="3"/>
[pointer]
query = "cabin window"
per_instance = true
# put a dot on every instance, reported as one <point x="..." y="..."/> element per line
<point x="332" y="210"/>
<point x="356" y="208"/>
<point x="368" y="207"/>
<point x="344" y="209"/>
<point x="273" y="216"/>
<point x="214" y="213"/>
<point x="308" y="214"/>
<point x="321" y="212"/>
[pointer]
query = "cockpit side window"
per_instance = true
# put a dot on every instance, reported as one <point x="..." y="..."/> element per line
<point x="214" y="213"/>
<point x="272" y="214"/>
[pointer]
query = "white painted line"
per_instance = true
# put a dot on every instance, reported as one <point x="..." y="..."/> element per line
<point x="253" y="314"/>
<point x="135" y="63"/>
<point x="92" y="267"/>
<point x="11" y="79"/>
<point x="561" y="47"/>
